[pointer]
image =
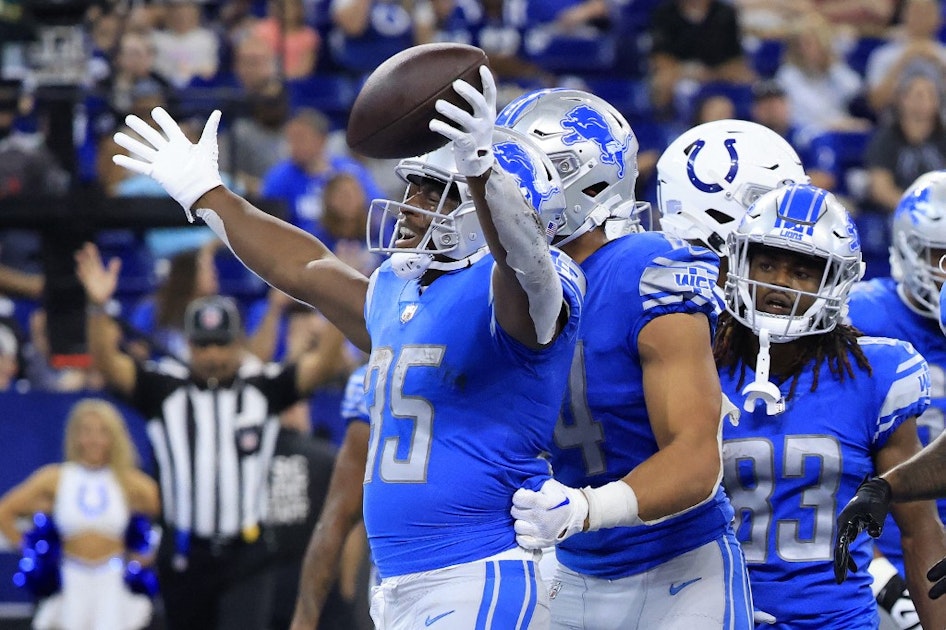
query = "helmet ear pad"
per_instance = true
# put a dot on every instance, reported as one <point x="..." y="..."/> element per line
<point x="709" y="176"/>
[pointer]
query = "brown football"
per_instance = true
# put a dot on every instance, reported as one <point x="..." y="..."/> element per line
<point x="391" y="112"/>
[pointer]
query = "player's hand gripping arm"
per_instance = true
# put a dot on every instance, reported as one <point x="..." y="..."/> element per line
<point x="284" y="256"/>
<point x="683" y="400"/>
<point x="102" y="333"/>
<point x="921" y="532"/>
<point x="341" y="513"/>
<point x="526" y="291"/>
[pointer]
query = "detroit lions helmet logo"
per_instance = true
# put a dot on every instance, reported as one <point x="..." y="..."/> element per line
<point x="712" y="187"/>
<point x="516" y="161"/>
<point x="586" y="123"/>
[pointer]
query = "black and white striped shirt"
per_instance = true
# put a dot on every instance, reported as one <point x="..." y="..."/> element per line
<point x="214" y="445"/>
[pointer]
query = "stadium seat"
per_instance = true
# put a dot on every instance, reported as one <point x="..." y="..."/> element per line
<point x="629" y="96"/>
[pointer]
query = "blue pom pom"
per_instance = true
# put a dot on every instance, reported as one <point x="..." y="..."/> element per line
<point x="141" y="580"/>
<point x="39" y="566"/>
<point x="138" y="535"/>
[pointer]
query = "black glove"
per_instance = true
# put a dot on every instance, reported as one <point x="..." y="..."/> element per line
<point x="937" y="575"/>
<point x="867" y="510"/>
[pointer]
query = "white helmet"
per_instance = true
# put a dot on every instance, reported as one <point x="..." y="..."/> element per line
<point x="592" y="147"/>
<point x="919" y="228"/>
<point x="806" y="220"/>
<point x="456" y="235"/>
<point x="709" y="176"/>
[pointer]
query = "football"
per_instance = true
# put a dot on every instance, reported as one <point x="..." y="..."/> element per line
<point x="391" y="112"/>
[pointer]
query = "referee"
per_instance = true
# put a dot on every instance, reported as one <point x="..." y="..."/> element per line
<point x="213" y="430"/>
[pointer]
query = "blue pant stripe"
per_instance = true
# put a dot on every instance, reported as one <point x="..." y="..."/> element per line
<point x="486" y="602"/>
<point x="533" y="596"/>
<point x="512" y="592"/>
<point x="738" y="598"/>
<point x="726" y="553"/>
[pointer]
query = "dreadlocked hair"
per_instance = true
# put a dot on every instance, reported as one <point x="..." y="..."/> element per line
<point x="734" y="342"/>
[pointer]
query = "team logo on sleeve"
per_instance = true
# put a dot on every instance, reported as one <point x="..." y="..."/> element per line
<point x="585" y="123"/>
<point x="694" y="278"/>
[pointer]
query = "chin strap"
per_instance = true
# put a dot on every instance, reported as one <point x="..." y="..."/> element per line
<point x="761" y="388"/>
<point x="410" y="266"/>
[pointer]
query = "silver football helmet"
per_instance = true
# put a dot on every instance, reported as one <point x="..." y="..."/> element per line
<point x="454" y="238"/>
<point x="592" y="148"/>
<point x="709" y="176"/>
<point x="919" y="242"/>
<point x="809" y="221"/>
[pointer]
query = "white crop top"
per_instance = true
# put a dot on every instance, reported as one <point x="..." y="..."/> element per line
<point x="89" y="500"/>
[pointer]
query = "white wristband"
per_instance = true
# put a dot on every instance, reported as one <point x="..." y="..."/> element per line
<point x="612" y="505"/>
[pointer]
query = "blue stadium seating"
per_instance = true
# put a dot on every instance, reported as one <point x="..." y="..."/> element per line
<point x="236" y="280"/>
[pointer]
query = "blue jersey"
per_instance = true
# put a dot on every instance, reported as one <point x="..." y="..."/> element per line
<point x="789" y="475"/>
<point x="353" y="407"/>
<point x="459" y="414"/>
<point x="604" y="431"/>
<point x="876" y="308"/>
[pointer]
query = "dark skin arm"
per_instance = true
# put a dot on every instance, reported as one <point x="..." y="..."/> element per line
<point x="342" y="512"/>
<point x="294" y="262"/>
<point x="921" y="532"/>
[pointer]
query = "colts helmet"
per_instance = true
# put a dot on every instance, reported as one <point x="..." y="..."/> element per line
<point x="592" y="148"/>
<point x="806" y="220"/>
<point x="919" y="242"/>
<point x="454" y="239"/>
<point x="709" y="176"/>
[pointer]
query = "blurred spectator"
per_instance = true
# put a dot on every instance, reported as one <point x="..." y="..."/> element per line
<point x="855" y="19"/>
<point x="255" y="142"/>
<point x="26" y="165"/>
<point x="299" y="180"/>
<point x="344" y="222"/>
<point x="769" y="19"/>
<point x="694" y="42"/>
<point x="294" y="43"/>
<point x="712" y="105"/>
<point x="9" y="357"/>
<point x="501" y="37"/>
<point x="40" y="372"/>
<point x="820" y="86"/>
<point x="134" y="66"/>
<point x="160" y="318"/>
<point x="366" y="32"/>
<point x="91" y="497"/>
<point x="915" y="49"/>
<point x="771" y="107"/>
<point x="106" y="30"/>
<point x="909" y="142"/>
<point x="184" y="48"/>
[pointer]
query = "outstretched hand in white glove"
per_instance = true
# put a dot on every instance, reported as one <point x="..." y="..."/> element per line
<point x="185" y="170"/>
<point x="472" y="134"/>
<point x="548" y="516"/>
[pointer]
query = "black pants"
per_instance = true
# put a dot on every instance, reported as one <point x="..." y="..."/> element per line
<point x="222" y="586"/>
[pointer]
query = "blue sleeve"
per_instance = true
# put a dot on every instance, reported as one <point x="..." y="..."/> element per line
<point x="679" y="279"/>
<point x="902" y="378"/>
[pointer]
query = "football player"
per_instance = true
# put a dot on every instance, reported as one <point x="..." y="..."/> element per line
<point x="906" y="306"/>
<point x="471" y="324"/>
<point x="823" y="407"/>
<point x="640" y="523"/>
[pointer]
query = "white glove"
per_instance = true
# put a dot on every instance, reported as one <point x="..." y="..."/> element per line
<point x="185" y="170"/>
<point x="548" y="516"/>
<point x="473" y="140"/>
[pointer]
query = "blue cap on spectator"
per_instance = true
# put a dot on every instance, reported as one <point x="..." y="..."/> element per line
<point x="212" y="320"/>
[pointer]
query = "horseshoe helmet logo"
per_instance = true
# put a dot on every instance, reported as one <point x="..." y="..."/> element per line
<point x="712" y="187"/>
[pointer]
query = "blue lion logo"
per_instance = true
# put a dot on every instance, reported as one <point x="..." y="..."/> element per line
<point x="586" y="123"/>
<point x="516" y="161"/>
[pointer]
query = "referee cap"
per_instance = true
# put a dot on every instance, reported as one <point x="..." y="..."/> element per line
<point x="213" y="319"/>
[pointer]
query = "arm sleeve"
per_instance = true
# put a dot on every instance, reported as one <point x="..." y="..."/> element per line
<point x="902" y="376"/>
